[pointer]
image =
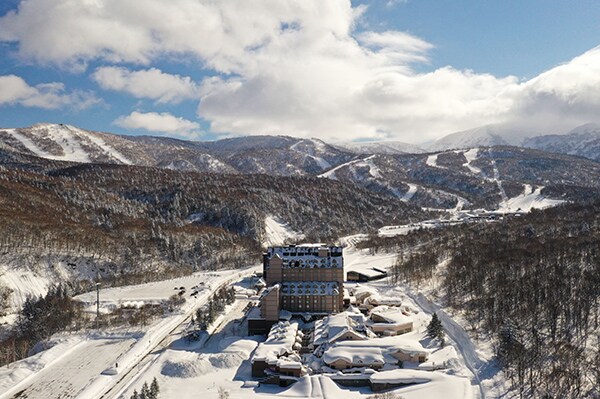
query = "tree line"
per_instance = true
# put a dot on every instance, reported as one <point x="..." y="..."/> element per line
<point x="531" y="283"/>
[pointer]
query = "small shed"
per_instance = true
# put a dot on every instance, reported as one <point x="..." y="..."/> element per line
<point x="366" y="275"/>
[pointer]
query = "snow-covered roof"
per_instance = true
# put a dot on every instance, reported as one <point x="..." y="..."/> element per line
<point x="371" y="272"/>
<point x="372" y="351"/>
<point x="281" y="340"/>
<point x="286" y="363"/>
<point x="366" y="355"/>
<point x="391" y="315"/>
<point x="400" y="376"/>
<point x="307" y="256"/>
<point x="254" y="313"/>
<point x="362" y="291"/>
<point x="330" y="328"/>
<point x="302" y="288"/>
<point x="267" y="290"/>
<point x="393" y="343"/>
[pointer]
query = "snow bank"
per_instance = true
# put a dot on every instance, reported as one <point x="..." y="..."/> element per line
<point x="277" y="232"/>
<point x="401" y="376"/>
<point x="201" y="365"/>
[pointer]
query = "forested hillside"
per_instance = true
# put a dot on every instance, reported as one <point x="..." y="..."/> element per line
<point x="532" y="283"/>
<point x="490" y="178"/>
<point x="129" y="223"/>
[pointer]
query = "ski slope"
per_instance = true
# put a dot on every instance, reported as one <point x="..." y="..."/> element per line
<point x="528" y="200"/>
<point x="70" y="140"/>
<point x="278" y="232"/>
<point x="471" y="156"/>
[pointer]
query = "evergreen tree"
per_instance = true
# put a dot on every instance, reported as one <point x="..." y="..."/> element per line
<point x="145" y="393"/>
<point x="435" y="329"/>
<point x="154" y="389"/>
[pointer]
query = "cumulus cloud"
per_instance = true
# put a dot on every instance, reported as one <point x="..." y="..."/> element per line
<point x="292" y="67"/>
<point x="563" y="97"/>
<point x="164" y="123"/>
<point x="15" y="90"/>
<point x="151" y="83"/>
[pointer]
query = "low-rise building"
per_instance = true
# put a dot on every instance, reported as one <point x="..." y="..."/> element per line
<point x="338" y="327"/>
<point x="279" y="353"/>
<point x="261" y="319"/>
<point x="366" y="275"/>
<point x="374" y="353"/>
<point x="386" y="320"/>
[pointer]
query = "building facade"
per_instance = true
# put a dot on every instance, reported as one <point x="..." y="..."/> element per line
<point x="310" y="277"/>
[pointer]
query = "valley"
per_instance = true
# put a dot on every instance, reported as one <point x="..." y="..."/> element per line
<point x="147" y="216"/>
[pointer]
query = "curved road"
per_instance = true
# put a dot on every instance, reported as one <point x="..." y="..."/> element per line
<point x="458" y="334"/>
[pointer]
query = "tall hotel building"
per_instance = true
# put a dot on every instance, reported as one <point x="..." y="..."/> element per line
<point x="306" y="278"/>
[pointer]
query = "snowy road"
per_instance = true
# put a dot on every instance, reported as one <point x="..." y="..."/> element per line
<point x="457" y="333"/>
<point x="78" y="371"/>
<point x="71" y="374"/>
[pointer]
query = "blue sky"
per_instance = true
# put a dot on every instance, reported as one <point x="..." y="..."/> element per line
<point x="367" y="70"/>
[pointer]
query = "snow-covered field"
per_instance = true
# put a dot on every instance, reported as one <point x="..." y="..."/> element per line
<point x="85" y="365"/>
<point x="278" y="232"/>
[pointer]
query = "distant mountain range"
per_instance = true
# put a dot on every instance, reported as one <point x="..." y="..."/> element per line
<point x="470" y="169"/>
<point x="583" y="141"/>
<point x="279" y="155"/>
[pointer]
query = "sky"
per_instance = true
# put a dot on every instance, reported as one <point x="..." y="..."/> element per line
<point x="406" y="70"/>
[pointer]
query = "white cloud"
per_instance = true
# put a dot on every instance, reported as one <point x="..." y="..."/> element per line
<point x="292" y="67"/>
<point x="151" y="83"/>
<point x="563" y="97"/>
<point x="14" y="90"/>
<point x="163" y="122"/>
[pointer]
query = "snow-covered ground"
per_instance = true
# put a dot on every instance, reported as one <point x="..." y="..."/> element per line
<point x="528" y="200"/>
<point x="185" y="370"/>
<point x="63" y="371"/>
<point x="477" y="360"/>
<point x="84" y="365"/>
<point x="23" y="282"/>
<point x="278" y="232"/>
<point x="471" y="156"/>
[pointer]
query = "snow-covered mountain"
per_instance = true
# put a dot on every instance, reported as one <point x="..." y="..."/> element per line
<point x="500" y="177"/>
<point x="583" y="141"/>
<point x="484" y="136"/>
<point x="277" y="155"/>
<point x="381" y="147"/>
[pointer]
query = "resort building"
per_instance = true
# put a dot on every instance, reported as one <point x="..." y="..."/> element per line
<point x="374" y="353"/>
<point x="278" y="355"/>
<point x="386" y="320"/>
<point x="300" y="279"/>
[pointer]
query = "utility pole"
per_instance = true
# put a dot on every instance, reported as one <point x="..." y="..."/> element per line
<point x="97" y="304"/>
